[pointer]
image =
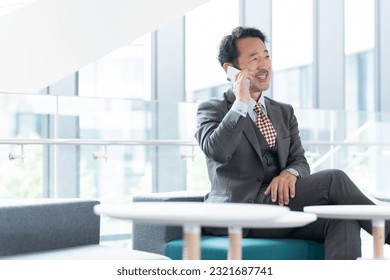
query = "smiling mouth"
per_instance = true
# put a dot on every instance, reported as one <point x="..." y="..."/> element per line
<point x="262" y="74"/>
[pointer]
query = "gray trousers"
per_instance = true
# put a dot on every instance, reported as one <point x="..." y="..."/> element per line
<point x="341" y="238"/>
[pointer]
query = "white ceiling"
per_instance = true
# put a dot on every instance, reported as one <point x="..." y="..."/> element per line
<point x="10" y="5"/>
<point x="44" y="41"/>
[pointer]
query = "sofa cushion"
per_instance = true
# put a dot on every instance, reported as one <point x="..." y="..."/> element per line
<point x="216" y="248"/>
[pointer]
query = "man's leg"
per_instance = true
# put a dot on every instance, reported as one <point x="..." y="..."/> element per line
<point x="331" y="187"/>
<point x="341" y="238"/>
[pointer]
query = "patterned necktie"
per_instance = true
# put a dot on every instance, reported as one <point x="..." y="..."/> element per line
<point x="265" y="126"/>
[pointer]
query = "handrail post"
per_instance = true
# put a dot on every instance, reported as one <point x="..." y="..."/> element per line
<point x="20" y="156"/>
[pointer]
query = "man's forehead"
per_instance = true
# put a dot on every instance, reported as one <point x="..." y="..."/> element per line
<point x="251" y="46"/>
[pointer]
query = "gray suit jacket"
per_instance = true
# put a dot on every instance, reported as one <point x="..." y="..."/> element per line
<point x="232" y="148"/>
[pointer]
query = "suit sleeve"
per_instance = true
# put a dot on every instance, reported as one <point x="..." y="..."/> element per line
<point x="219" y="131"/>
<point x="296" y="156"/>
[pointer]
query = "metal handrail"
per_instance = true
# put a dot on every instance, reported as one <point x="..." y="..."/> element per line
<point x="113" y="142"/>
<point x="103" y="142"/>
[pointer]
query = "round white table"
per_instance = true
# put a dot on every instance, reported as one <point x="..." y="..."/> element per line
<point x="376" y="213"/>
<point x="383" y="196"/>
<point x="193" y="215"/>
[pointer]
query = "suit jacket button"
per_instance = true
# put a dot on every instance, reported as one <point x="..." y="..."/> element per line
<point x="251" y="201"/>
<point x="259" y="179"/>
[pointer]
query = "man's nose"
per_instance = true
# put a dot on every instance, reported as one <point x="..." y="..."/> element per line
<point x="264" y="64"/>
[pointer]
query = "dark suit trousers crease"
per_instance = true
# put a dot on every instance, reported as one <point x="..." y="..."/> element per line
<point x="329" y="187"/>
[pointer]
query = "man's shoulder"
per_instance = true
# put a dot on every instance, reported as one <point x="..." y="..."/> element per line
<point x="225" y="99"/>
<point x="273" y="102"/>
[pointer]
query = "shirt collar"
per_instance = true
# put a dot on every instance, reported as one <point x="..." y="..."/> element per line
<point x="261" y="101"/>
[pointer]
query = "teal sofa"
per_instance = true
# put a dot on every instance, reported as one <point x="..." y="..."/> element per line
<point x="168" y="240"/>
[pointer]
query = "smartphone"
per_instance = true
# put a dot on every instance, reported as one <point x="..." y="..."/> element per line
<point x="231" y="71"/>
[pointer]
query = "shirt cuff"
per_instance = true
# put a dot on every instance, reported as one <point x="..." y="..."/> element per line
<point x="240" y="107"/>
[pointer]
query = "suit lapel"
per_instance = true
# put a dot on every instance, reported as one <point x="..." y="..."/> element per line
<point x="249" y="126"/>
<point x="282" y="143"/>
<point x="274" y="115"/>
<point x="250" y="132"/>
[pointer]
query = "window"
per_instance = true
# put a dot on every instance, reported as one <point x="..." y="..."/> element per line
<point x="205" y="27"/>
<point x="124" y="73"/>
<point x="359" y="54"/>
<point x="292" y="52"/>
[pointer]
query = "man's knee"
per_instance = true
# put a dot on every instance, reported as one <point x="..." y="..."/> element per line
<point x="338" y="178"/>
<point x="335" y="174"/>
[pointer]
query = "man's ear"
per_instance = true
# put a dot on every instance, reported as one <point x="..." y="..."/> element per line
<point x="226" y="65"/>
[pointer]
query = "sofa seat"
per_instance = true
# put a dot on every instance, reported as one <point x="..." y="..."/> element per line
<point x="161" y="239"/>
<point x="216" y="248"/>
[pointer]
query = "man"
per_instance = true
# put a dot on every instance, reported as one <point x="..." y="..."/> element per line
<point x="246" y="164"/>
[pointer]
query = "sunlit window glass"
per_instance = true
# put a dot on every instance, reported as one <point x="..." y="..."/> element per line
<point x="292" y="51"/>
<point x="205" y="27"/>
<point x="125" y="73"/>
<point x="359" y="54"/>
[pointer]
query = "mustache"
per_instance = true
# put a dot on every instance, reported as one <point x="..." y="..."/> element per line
<point x="262" y="72"/>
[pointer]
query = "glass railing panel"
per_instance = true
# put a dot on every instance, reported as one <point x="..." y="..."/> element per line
<point x="99" y="118"/>
<point x="356" y="142"/>
<point x="124" y="119"/>
<point x="114" y="173"/>
<point x="22" y="178"/>
<point x="365" y="164"/>
<point x="197" y="176"/>
<point x="24" y="116"/>
<point x="124" y="171"/>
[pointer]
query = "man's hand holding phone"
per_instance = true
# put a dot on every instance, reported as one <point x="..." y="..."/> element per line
<point x="240" y="83"/>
